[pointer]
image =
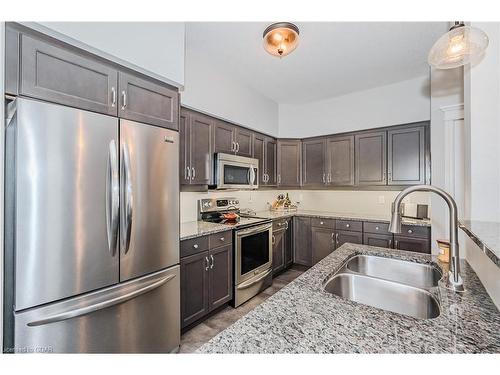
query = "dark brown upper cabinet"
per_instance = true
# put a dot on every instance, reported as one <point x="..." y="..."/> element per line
<point x="313" y="162"/>
<point x="406" y="156"/>
<point x="195" y="133"/>
<point x="62" y="76"/>
<point x="289" y="163"/>
<point x="231" y="139"/>
<point x="371" y="158"/>
<point x="243" y="139"/>
<point x="224" y="137"/>
<point x="264" y="150"/>
<point x="340" y="161"/>
<point x="258" y="153"/>
<point x="146" y="101"/>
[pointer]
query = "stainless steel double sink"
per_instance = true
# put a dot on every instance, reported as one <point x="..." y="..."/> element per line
<point x="391" y="284"/>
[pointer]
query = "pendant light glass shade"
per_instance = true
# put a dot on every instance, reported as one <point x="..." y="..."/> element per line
<point x="459" y="46"/>
<point x="280" y="39"/>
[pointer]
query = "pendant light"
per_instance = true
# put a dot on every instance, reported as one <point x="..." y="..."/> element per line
<point x="459" y="46"/>
<point x="281" y="38"/>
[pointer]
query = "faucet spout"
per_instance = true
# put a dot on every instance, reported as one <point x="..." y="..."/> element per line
<point x="454" y="279"/>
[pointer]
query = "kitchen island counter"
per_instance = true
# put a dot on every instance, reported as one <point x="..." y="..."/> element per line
<point x="303" y="318"/>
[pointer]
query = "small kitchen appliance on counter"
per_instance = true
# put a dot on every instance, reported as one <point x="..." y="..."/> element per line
<point x="252" y="239"/>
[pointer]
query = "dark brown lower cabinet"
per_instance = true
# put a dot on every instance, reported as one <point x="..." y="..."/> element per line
<point x="279" y="239"/>
<point x="302" y="249"/>
<point x="380" y="240"/>
<point x="322" y="242"/>
<point x="206" y="282"/>
<point x="343" y="236"/>
<point x="420" y="245"/>
<point x="194" y="288"/>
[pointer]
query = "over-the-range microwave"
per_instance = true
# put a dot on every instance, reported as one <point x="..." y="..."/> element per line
<point x="236" y="172"/>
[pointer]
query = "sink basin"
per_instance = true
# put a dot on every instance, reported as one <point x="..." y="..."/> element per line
<point x="384" y="294"/>
<point x="402" y="271"/>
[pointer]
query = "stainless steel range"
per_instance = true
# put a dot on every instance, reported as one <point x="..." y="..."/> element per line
<point x="252" y="246"/>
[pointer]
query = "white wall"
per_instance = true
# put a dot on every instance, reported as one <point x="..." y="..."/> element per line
<point x="482" y="116"/>
<point x="398" y="103"/>
<point x="156" y="48"/>
<point x="369" y="203"/>
<point x="219" y="94"/>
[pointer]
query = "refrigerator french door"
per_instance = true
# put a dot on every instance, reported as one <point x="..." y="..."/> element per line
<point x="92" y="208"/>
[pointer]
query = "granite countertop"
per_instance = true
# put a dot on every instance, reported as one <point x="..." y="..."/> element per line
<point x="193" y="229"/>
<point x="303" y="318"/>
<point x="486" y="234"/>
<point x="337" y="215"/>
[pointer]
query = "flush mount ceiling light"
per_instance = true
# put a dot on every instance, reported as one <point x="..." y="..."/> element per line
<point x="459" y="46"/>
<point x="281" y="38"/>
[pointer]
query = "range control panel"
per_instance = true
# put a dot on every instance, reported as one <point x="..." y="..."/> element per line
<point x="218" y="204"/>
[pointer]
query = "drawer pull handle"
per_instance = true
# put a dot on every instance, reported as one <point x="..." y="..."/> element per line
<point x="222" y="239"/>
<point x="410" y="231"/>
<point x="376" y="228"/>
<point x="321" y="222"/>
<point x="347" y="225"/>
<point x="195" y="245"/>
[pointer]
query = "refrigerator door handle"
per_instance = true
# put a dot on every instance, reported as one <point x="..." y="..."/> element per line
<point x="69" y="314"/>
<point x="127" y="199"/>
<point x="112" y="198"/>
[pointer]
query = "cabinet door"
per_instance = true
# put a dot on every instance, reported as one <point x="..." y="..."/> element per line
<point x="313" y="163"/>
<point x="322" y="242"/>
<point x="57" y="75"/>
<point x="258" y="153"/>
<point x="270" y="161"/>
<point x="220" y="283"/>
<point x="406" y="156"/>
<point x="201" y="149"/>
<point x="381" y="240"/>
<point x="243" y="139"/>
<point x="289" y="243"/>
<point x="148" y="102"/>
<point x="278" y="250"/>
<point x="420" y="245"/>
<point x="302" y="252"/>
<point x="370" y="158"/>
<point x="289" y="160"/>
<point x="194" y="288"/>
<point x="224" y="137"/>
<point x="343" y="236"/>
<point x="184" y="149"/>
<point x="340" y="161"/>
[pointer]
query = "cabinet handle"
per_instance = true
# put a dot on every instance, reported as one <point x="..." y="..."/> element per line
<point x="207" y="262"/>
<point x="113" y="96"/>
<point x="279" y="179"/>
<point x="329" y="177"/>
<point x="124" y="99"/>
<point x="274" y="240"/>
<point x="195" y="246"/>
<point x="336" y="239"/>
<point x="321" y="222"/>
<point x="211" y="261"/>
<point x="410" y="231"/>
<point x="376" y="228"/>
<point x="396" y="244"/>
<point x="280" y="224"/>
<point x="390" y="244"/>
<point x="324" y="178"/>
<point x="348" y="225"/>
<point x="194" y="173"/>
<point x="222" y="239"/>
<point x="237" y="147"/>
<point x="233" y="146"/>
<point x="286" y="227"/>
<point x="187" y="173"/>
<point x="332" y="237"/>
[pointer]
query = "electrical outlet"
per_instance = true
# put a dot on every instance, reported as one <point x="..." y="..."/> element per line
<point x="381" y="199"/>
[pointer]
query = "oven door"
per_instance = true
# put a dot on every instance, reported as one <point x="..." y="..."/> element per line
<point x="236" y="172"/>
<point x="253" y="251"/>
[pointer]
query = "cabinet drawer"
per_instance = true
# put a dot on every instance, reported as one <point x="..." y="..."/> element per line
<point x="323" y="223"/>
<point x="280" y="224"/>
<point x="62" y="76"/>
<point x="415" y="231"/>
<point x="220" y="239"/>
<point x="194" y="246"/>
<point x="354" y="226"/>
<point x="371" y="227"/>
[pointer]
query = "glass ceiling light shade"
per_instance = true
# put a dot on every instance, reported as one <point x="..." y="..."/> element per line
<point x="281" y="38"/>
<point x="459" y="46"/>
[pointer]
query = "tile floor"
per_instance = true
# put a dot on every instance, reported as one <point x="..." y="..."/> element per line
<point x="204" y="331"/>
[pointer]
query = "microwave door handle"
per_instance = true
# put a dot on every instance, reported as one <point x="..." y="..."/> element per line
<point x="252" y="175"/>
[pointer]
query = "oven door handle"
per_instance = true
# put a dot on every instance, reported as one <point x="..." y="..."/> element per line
<point x="251" y="282"/>
<point x="253" y="230"/>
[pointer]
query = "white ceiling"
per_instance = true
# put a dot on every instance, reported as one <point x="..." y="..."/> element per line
<point x="333" y="58"/>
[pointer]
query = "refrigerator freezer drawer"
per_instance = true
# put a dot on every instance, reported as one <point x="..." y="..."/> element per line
<point x="140" y="316"/>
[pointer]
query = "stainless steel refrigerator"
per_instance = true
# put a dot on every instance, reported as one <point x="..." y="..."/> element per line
<point x="92" y="232"/>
